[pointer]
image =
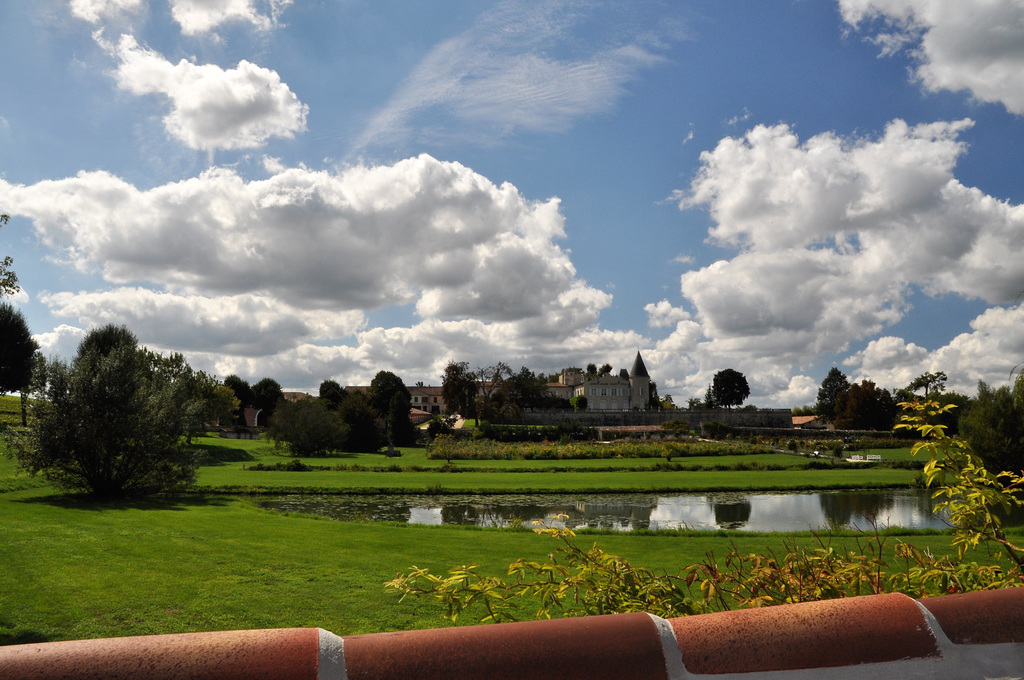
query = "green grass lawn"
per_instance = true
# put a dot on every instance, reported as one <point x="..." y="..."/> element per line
<point x="72" y="569"/>
<point x="231" y="458"/>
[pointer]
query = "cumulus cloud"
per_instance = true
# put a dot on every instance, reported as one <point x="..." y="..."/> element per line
<point x="832" y="233"/>
<point x="662" y="314"/>
<point x="521" y="67"/>
<point x="201" y="16"/>
<point x="243" y="324"/>
<point x="990" y="352"/>
<point x="212" y="108"/>
<point x="94" y="11"/>
<point x="254" y="268"/>
<point x="971" y="45"/>
<point x="61" y="342"/>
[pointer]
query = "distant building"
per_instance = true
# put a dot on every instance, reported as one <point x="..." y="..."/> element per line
<point x="627" y="391"/>
<point x="427" y="398"/>
<point x="809" y="423"/>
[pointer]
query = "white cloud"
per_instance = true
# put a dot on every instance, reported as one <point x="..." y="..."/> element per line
<point x="62" y="341"/>
<point x="201" y="16"/>
<point x="662" y="314"/>
<point x="834" y="232"/>
<point x="972" y="45"/>
<point x="521" y="68"/>
<point x="800" y="390"/>
<point x="238" y="271"/>
<point x="245" y="324"/>
<point x="889" y="362"/>
<point x="94" y="11"/>
<point x="212" y="108"/>
<point x="991" y="352"/>
<point x="421" y="231"/>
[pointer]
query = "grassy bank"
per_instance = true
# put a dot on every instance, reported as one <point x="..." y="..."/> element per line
<point x="230" y="466"/>
<point x="72" y="569"/>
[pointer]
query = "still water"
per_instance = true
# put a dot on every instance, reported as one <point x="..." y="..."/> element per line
<point x="911" y="508"/>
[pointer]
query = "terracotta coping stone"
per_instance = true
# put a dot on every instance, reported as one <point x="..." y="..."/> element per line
<point x="982" y="618"/>
<point x="618" y="647"/>
<point x="955" y="636"/>
<point x="830" y="633"/>
<point x="282" y="654"/>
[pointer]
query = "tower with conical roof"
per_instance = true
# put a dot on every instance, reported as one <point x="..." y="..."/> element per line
<point x="639" y="384"/>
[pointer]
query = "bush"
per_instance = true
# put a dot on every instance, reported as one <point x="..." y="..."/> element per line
<point x="716" y="430"/>
<point x="308" y="428"/>
<point x="111" y="422"/>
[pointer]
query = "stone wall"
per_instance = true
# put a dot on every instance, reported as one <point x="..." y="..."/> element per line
<point x="762" y="418"/>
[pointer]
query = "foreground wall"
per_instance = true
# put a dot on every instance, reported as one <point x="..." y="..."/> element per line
<point x="979" y="635"/>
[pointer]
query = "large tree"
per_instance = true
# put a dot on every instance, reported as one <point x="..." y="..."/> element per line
<point x="729" y="388"/>
<point x="523" y="390"/>
<point x="18" y="352"/>
<point x="391" y="401"/>
<point x="865" y="407"/>
<point x="459" y="389"/>
<point x="110" y="422"/>
<point x="929" y="382"/>
<point x="834" y="384"/>
<point x="265" y="396"/>
<point x="363" y="433"/>
<point x="332" y="393"/>
<point x="993" y="425"/>
<point x="243" y="392"/>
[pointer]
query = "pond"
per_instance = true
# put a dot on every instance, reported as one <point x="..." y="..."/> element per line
<point x="911" y="508"/>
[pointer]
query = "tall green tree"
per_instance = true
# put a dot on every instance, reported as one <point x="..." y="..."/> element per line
<point x="729" y="388"/>
<point x="243" y="392"/>
<point x="929" y="382"/>
<point x="363" y="432"/>
<point x="332" y="393"/>
<point x="18" y="352"/>
<point x="266" y="394"/>
<point x="222" y="405"/>
<point x="865" y="407"/>
<point x="523" y="390"/>
<point x="400" y="428"/>
<point x="110" y="422"/>
<point x="834" y="384"/>
<point x="384" y="388"/>
<point x="459" y="389"/>
<point x="993" y="425"/>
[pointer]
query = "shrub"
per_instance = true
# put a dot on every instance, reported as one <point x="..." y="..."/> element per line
<point x="716" y="430"/>
<point x="308" y="428"/>
<point x="111" y="422"/>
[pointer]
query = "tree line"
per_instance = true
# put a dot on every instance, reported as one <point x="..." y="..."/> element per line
<point x="992" y="422"/>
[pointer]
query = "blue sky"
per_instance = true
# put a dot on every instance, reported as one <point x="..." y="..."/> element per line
<point x="325" y="189"/>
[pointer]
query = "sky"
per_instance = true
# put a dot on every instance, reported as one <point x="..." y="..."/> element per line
<point x="323" y="189"/>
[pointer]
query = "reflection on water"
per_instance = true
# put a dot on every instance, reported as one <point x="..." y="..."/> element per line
<point x="910" y="508"/>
